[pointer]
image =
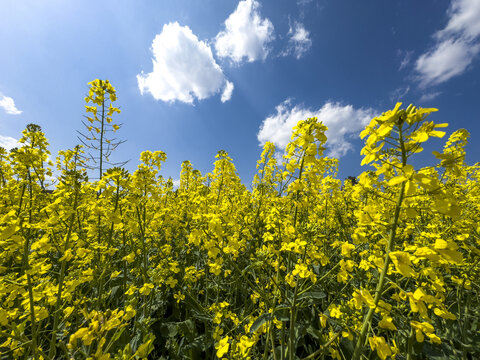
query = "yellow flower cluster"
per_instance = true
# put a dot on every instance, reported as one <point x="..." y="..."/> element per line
<point x="300" y="266"/>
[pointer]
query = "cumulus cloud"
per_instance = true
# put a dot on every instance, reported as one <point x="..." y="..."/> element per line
<point x="343" y="121"/>
<point x="456" y="45"/>
<point x="227" y="92"/>
<point x="183" y="67"/>
<point x="246" y="34"/>
<point x="8" y="142"/>
<point x="299" y="42"/>
<point x="8" y="105"/>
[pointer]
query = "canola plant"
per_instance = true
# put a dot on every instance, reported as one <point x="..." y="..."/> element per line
<point x="299" y="267"/>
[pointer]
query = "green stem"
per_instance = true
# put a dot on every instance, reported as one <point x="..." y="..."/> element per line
<point x="381" y="282"/>
<point x="51" y="352"/>
<point x="32" y="316"/>
<point x="411" y="339"/>
<point x="101" y="138"/>
<point x="293" y="309"/>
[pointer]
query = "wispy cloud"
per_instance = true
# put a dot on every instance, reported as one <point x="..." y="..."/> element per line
<point x="246" y="35"/>
<point x="299" y="41"/>
<point x="399" y="93"/>
<point x="306" y="6"/>
<point x="406" y="58"/>
<point x="456" y="46"/>
<point x="183" y="68"/>
<point x="303" y="2"/>
<point x="448" y="59"/>
<point x="464" y="20"/>
<point x="429" y="96"/>
<point x="8" y="105"/>
<point x="343" y="122"/>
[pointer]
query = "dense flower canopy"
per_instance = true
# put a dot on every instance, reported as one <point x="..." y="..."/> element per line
<point x="300" y="266"/>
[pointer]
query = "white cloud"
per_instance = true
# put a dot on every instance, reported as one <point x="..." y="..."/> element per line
<point x="8" y="105"/>
<point x="429" y="96"/>
<point x="464" y="19"/>
<point x="227" y="92"/>
<point x="299" y="42"/>
<point x="448" y="59"/>
<point x="343" y="122"/>
<point x="246" y="34"/>
<point x="8" y="142"/>
<point x="176" y="183"/>
<point x="183" y="67"/>
<point x="455" y="47"/>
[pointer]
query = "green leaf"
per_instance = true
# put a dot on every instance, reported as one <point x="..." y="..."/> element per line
<point x="262" y="319"/>
<point x="316" y="295"/>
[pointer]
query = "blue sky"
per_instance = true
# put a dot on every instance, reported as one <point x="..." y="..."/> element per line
<point x="193" y="77"/>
